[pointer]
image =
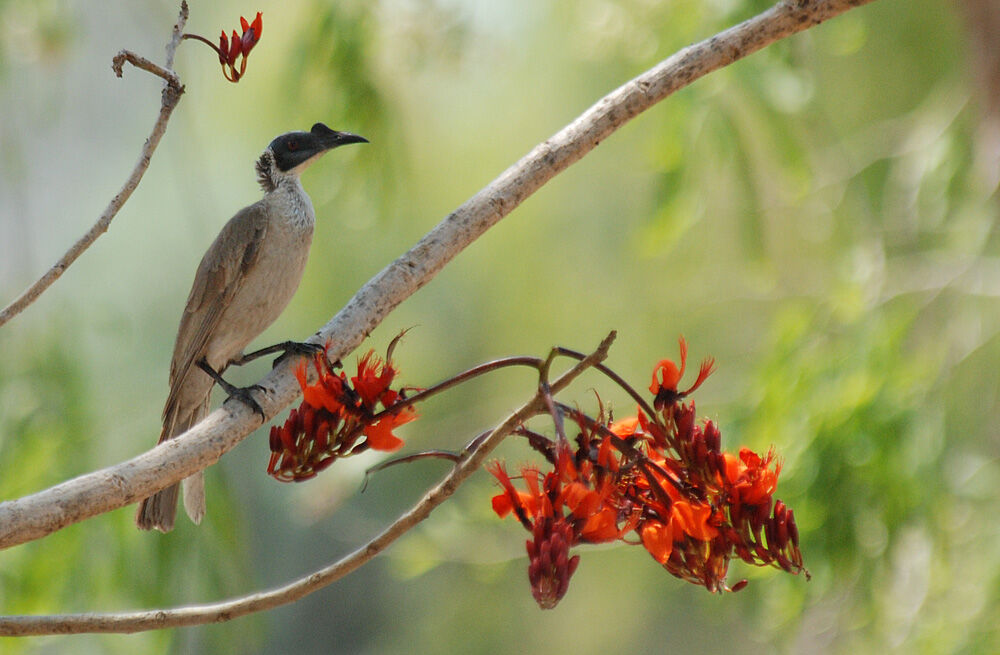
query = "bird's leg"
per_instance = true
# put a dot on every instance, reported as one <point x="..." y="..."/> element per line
<point x="287" y="348"/>
<point x="240" y="393"/>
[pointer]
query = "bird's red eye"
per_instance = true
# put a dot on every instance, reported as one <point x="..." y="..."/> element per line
<point x="293" y="145"/>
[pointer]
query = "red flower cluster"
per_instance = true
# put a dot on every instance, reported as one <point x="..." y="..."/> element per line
<point x="231" y="50"/>
<point x="660" y="477"/>
<point x="335" y="415"/>
<point x="564" y="507"/>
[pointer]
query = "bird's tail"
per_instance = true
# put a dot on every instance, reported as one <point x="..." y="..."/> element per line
<point x="159" y="510"/>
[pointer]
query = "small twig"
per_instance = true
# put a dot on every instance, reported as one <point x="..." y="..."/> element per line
<point x="464" y="376"/>
<point x="542" y="444"/>
<point x="467" y="464"/>
<point x="546" y="393"/>
<point x="176" y="35"/>
<point x="617" y="379"/>
<point x="118" y="62"/>
<point x="172" y="92"/>
<point x="198" y="37"/>
<point x="449" y="455"/>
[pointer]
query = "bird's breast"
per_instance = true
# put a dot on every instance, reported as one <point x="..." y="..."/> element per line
<point x="270" y="282"/>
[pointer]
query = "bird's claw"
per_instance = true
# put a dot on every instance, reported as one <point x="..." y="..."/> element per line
<point x="298" y="349"/>
<point x="244" y="395"/>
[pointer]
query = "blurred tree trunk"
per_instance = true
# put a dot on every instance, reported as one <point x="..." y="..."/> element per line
<point x="983" y="24"/>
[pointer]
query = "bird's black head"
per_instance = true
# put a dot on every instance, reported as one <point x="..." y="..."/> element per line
<point x="289" y="154"/>
<point x="296" y="148"/>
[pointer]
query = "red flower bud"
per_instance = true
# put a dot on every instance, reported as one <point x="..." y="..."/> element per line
<point x="223" y="47"/>
<point x="235" y="47"/>
<point x="251" y="34"/>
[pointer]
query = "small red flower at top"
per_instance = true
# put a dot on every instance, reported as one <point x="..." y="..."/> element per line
<point x="231" y="49"/>
<point x="666" y="377"/>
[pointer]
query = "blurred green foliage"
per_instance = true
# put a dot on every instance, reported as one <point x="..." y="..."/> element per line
<point x="810" y="216"/>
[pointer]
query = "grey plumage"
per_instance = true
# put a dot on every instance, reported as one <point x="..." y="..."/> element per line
<point x="244" y="282"/>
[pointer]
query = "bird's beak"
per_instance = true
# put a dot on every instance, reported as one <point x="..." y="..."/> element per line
<point x="331" y="139"/>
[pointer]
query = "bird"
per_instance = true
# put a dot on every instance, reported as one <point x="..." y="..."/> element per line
<point x="244" y="282"/>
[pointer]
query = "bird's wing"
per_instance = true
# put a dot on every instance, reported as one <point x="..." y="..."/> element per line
<point x="219" y="277"/>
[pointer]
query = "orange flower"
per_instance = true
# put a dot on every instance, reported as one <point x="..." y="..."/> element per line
<point x="523" y="504"/>
<point x="692" y="519"/>
<point x="380" y="436"/>
<point x="662" y="475"/>
<point x="658" y="539"/>
<point x="373" y="378"/>
<point x="666" y="377"/>
<point x="752" y="479"/>
<point x="335" y="420"/>
<point x="625" y="427"/>
<point x="325" y="394"/>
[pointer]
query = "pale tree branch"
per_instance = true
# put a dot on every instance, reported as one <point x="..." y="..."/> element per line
<point x="467" y="464"/>
<point x="172" y="91"/>
<point x="42" y="513"/>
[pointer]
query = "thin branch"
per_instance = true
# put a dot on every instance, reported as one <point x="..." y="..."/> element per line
<point x="455" y="380"/>
<point x="467" y="464"/>
<point x="118" y="62"/>
<point x="617" y="379"/>
<point x="172" y="91"/>
<point x="198" y="37"/>
<point x="45" y="512"/>
<point x="176" y="35"/>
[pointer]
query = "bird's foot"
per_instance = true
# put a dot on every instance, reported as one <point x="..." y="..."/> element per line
<point x="286" y="348"/>
<point x="297" y="349"/>
<point x="243" y="394"/>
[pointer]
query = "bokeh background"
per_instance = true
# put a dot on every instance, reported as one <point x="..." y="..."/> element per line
<point x="820" y="217"/>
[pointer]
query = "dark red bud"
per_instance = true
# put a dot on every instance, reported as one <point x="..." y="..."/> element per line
<point x="287" y="438"/>
<point x="769" y="532"/>
<point x="308" y="421"/>
<point x="322" y="434"/>
<point x="235" y="47"/>
<point x="713" y="438"/>
<point x="685" y="421"/>
<point x="247" y="42"/>
<point x="739" y="585"/>
<point x="573" y="563"/>
<point x="779" y="510"/>
<point x="793" y="530"/>
<point x="545" y="554"/>
<point x="257" y="26"/>
<point x="781" y="533"/>
<point x="700" y="451"/>
<point x="223" y="47"/>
